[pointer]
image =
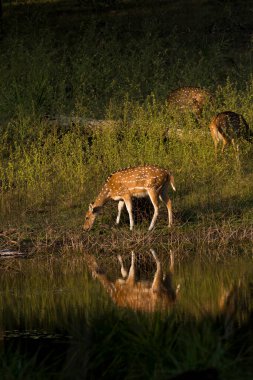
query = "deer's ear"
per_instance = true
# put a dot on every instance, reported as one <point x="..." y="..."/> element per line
<point x="90" y="207"/>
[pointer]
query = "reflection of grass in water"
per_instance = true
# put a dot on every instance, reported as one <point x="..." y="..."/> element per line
<point x="43" y="289"/>
<point x="58" y="295"/>
<point x="207" y="284"/>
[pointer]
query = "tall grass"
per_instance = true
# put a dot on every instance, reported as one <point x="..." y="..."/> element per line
<point x="101" y="72"/>
<point x="61" y="169"/>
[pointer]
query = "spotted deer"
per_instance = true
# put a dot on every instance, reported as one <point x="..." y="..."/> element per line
<point x="140" y="181"/>
<point x="189" y="98"/>
<point x="228" y="128"/>
<point x="148" y="296"/>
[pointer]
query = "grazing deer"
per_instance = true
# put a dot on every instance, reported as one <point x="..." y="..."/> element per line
<point x="189" y="98"/>
<point x="227" y="127"/>
<point x="139" y="181"/>
<point x="138" y="295"/>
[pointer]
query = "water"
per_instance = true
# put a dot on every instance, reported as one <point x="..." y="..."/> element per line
<point x="50" y="304"/>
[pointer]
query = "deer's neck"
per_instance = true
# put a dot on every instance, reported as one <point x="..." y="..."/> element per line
<point x="102" y="197"/>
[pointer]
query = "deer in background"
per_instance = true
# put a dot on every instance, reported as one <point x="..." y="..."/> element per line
<point x="227" y="127"/>
<point x="159" y="294"/>
<point x="189" y="98"/>
<point x="140" y="181"/>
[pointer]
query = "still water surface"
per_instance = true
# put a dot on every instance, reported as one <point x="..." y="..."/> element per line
<point x="48" y="301"/>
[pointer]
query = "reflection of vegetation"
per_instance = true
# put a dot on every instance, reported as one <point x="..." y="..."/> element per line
<point x="91" y="335"/>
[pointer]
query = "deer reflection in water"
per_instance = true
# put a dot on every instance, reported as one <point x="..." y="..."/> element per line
<point x="159" y="294"/>
<point x="236" y="306"/>
<point x="231" y="301"/>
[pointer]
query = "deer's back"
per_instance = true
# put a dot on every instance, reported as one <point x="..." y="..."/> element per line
<point x="193" y="98"/>
<point x="137" y="178"/>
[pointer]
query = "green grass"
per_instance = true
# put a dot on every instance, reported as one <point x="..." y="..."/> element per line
<point x="51" y="180"/>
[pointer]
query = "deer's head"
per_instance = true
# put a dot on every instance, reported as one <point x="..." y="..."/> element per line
<point x="90" y="217"/>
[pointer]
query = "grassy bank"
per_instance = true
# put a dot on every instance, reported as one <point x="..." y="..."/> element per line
<point x="48" y="182"/>
<point x="108" y="66"/>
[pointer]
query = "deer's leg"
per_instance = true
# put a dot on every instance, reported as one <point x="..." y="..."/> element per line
<point x="129" y="206"/>
<point x="235" y="146"/>
<point x="170" y="277"/>
<point x="169" y="208"/>
<point x="164" y="281"/>
<point x="123" y="270"/>
<point x="158" y="278"/>
<point x="214" y="134"/>
<point x="121" y="205"/>
<point x="236" y="150"/>
<point x="224" y="144"/>
<point x="131" y="275"/>
<point x="216" y="139"/>
<point x="154" y="199"/>
<point x="165" y="198"/>
<point x="216" y="147"/>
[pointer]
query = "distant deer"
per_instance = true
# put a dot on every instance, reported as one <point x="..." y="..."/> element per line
<point x="139" y="181"/>
<point x="227" y="127"/>
<point x="189" y="98"/>
<point x="139" y="295"/>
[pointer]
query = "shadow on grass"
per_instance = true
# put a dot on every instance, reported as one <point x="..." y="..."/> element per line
<point x="231" y="208"/>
